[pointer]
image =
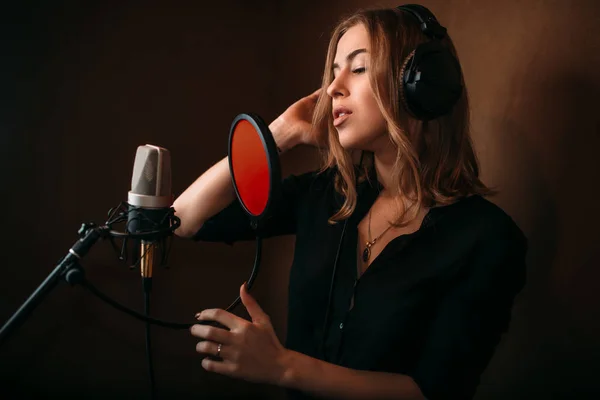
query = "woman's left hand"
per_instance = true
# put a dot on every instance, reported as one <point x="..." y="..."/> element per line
<point x="250" y="350"/>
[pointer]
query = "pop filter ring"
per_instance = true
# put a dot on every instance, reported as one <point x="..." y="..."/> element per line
<point x="270" y="147"/>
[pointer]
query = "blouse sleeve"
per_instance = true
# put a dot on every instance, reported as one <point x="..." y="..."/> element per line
<point x="472" y="317"/>
<point x="233" y="224"/>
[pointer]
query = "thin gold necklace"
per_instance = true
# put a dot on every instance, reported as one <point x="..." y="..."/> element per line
<point x="367" y="251"/>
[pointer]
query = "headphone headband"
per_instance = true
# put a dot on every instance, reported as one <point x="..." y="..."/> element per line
<point x="428" y="22"/>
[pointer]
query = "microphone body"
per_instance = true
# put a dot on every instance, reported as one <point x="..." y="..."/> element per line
<point x="150" y="200"/>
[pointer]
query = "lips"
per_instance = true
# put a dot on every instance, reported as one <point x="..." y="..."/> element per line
<point x="340" y="115"/>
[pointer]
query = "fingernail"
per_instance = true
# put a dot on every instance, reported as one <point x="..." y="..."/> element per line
<point x="197" y="316"/>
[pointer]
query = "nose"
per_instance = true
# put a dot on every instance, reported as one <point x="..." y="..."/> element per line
<point x="338" y="87"/>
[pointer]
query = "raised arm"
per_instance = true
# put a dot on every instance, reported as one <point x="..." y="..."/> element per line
<point x="213" y="190"/>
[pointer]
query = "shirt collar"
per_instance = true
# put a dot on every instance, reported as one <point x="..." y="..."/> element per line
<point x="369" y="189"/>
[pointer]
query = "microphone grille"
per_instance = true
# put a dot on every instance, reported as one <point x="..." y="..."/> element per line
<point x="151" y="171"/>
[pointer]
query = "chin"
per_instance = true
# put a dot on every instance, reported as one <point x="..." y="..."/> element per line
<point x="353" y="142"/>
<point x="367" y="139"/>
<point x="351" y="145"/>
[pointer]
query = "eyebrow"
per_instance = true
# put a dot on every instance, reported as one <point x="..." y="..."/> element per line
<point x="350" y="57"/>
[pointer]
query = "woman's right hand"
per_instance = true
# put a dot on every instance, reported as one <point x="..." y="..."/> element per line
<point x="293" y="127"/>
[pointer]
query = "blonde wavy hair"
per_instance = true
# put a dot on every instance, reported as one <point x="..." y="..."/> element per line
<point x="435" y="162"/>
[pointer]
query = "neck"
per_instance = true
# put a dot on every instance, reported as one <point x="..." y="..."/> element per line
<point x="384" y="163"/>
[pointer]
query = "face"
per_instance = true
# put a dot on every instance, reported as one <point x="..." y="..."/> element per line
<point x="357" y="119"/>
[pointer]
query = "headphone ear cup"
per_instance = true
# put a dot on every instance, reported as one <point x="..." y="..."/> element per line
<point x="431" y="81"/>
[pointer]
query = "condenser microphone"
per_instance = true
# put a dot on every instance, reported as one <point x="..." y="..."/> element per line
<point x="150" y="200"/>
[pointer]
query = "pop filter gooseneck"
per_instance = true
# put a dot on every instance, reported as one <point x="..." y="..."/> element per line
<point x="256" y="175"/>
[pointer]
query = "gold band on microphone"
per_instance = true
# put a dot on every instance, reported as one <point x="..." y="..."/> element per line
<point x="147" y="259"/>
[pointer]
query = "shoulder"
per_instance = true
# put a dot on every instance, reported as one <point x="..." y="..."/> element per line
<point x="500" y="246"/>
<point x="310" y="181"/>
<point x="493" y="218"/>
<point x="485" y="222"/>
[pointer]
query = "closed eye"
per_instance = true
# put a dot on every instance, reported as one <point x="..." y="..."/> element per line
<point x="358" y="70"/>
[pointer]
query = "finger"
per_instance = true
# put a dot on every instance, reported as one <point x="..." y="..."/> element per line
<point x="212" y="349"/>
<point x="221" y="316"/>
<point x="256" y="313"/>
<point x="212" y="333"/>
<point x="220" y="367"/>
<point x="314" y="95"/>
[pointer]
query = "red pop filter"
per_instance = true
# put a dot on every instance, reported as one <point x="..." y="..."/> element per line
<point x="254" y="165"/>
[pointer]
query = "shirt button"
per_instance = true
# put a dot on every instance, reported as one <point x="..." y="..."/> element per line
<point x="341" y="325"/>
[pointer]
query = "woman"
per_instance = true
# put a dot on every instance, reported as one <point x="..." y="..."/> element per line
<point x="404" y="275"/>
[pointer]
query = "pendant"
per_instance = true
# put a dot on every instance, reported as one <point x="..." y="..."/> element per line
<point x="366" y="253"/>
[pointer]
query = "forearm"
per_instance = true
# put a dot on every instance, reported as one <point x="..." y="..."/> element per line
<point x="208" y="195"/>
<point x="332" y="381"/>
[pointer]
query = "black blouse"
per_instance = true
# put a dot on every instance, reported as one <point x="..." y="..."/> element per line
<point x="432" y="305"/>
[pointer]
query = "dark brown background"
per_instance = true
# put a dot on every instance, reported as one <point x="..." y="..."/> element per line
<point x="83" y="86"/>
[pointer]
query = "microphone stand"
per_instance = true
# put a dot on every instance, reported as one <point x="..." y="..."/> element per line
<point x="68" y="269"/>
<point x="71" y="271"/>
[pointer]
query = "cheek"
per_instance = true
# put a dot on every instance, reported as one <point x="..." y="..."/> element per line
<point x="370" y="105"/>
<point x="374" y="116"/>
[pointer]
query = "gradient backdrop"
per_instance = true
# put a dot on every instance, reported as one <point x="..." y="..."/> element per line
<point x="81" y="86"/>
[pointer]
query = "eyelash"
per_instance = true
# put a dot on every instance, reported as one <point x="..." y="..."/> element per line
<point x="356" y="71"/>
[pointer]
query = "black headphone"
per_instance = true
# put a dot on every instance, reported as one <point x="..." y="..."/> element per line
<point x="431" y="75"/>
